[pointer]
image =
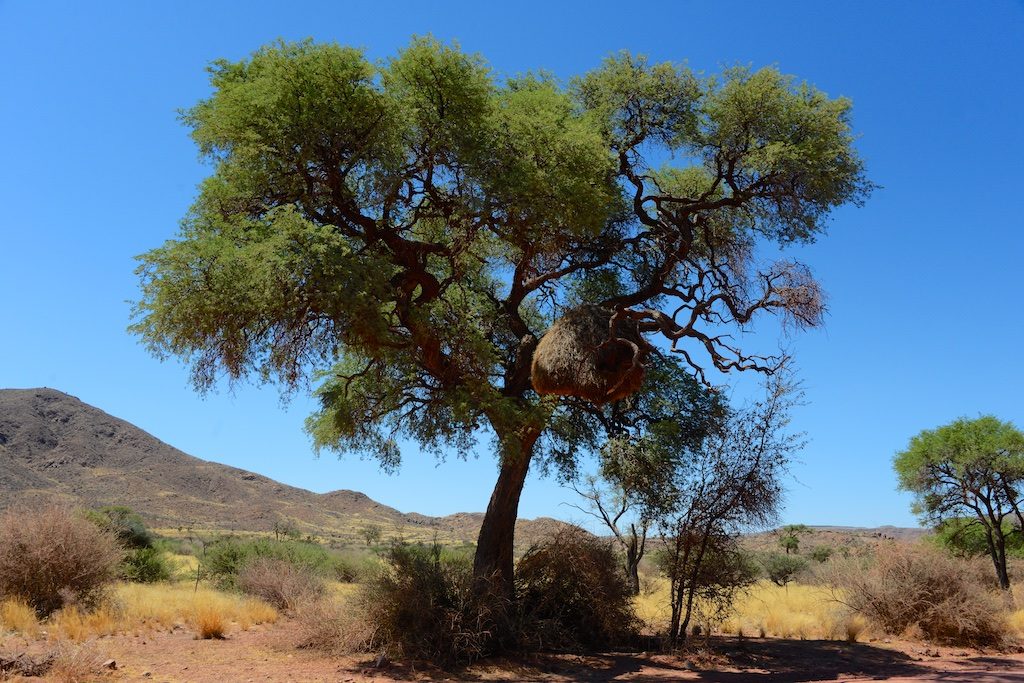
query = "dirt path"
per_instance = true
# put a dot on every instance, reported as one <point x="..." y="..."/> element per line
<point x="268" y="654"/>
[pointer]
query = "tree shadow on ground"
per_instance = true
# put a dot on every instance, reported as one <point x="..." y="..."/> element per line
<point x="769" y="660"/>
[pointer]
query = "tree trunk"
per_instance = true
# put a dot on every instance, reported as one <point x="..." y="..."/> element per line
<point x="494" y="546"/>
<point x="633" y="565"/>
<point x="999" y="558"/>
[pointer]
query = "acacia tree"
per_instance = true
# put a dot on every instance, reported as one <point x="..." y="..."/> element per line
<point x="969" y="469"/>
<point x="409" y="229"/>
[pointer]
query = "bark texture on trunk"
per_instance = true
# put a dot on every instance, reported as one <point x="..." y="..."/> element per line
<point x="494" y="546"/>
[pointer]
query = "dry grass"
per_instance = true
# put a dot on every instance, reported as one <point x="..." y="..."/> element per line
<point x="165" y="606"/>
<point x="17" y="616"/>
<point x="798" y="611"/>
<point x="136" y="608"/>
<point x="78" y="626"/>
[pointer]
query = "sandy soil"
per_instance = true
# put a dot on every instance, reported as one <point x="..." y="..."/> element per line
<point x="268" y="654"/>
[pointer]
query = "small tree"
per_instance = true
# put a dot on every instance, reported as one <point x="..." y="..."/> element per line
<point x="782" y="569"/>
<point x="789" y="537"/>
<point x="371" y="533"/>
<point x="969" y="468"/>
<point x="732" y="483"/>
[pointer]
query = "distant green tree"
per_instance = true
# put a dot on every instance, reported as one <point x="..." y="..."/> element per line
<point x="789" y="537"/>
<point x="126" y="525"/>
<point x="822" y="553"/>
<point x="782" y="569"/>
<point x="406" y="230"/>
<point x="969" y="469"/>
<point x="371" y="533"/>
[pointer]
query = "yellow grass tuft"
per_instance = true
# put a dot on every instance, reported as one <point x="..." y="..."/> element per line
<point x="16" y="615"/>
<point x="208" y="622"/>
<point x="75" y="625"/>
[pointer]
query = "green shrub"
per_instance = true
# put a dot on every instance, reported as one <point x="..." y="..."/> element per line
<point x="53" y="557"/>
<point x="225" y="558"/>
<point x="146" y="565"/>
<point x="572" y="593"/>
<point x="126" y="525"/>
<point x="782" y="569"/>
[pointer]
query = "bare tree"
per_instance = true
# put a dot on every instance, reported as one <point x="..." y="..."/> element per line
<point x="733" y="483"/>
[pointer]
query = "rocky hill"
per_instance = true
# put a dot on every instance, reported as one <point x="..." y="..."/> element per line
<point x="55" y="447"/>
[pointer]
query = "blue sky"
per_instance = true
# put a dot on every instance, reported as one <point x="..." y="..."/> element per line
<point x="924" y="282"/>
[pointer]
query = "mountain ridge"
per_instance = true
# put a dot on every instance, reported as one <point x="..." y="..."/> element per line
<point x="53" y="446"/>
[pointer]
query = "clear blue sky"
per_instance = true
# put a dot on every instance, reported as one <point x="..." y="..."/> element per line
<point x="925" y="282"/>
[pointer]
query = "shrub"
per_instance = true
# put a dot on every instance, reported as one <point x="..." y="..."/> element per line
<point x="423" y="603"/>
<point x="126" y="525"/>
<point x="918" y="587"/>
<point x="146" y="565"/>
<point x="281" y="583"/>
<point x="52" y="557"/>
<point x="572" y="592"/>
<point x="781" y="569"/>
<point x="225" y="558"/>
<point x="821" y="554"/>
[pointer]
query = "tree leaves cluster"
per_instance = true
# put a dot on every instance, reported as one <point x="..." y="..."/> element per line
<point x="404" y="231"/>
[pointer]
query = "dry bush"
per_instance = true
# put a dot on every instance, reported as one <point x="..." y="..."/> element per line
<point x="77" y="664"/>
<point x="52" y="557"/>
<point x="334" y="628"/>
<point x="279" y="582"/>
<point x="425" y="604"/>
<point x="572" y="593"/>
<point x="918" y="588"/>
<point x="66" y="663"/>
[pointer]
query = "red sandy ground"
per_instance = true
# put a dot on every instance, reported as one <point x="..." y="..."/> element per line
<point x="269" y="654"/>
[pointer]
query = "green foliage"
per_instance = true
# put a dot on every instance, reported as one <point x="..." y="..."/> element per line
<point x="822" y="553"/>
<point x="126" y="525"/>
<point x="297" y="250"/>
<point x="146" y="565"/>
<point x="969" y="469"/>
<point x="965" y="537"/>
<point x="782" y="569"/>
<point x="227" y="556"/>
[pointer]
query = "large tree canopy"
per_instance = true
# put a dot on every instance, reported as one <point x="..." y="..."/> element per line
<point x="969" y="473"/>
<point x="409" y="229"/>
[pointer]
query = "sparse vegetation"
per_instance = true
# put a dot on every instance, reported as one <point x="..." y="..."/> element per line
<point x="917" y="587"/>
<point x="52" y="557"/>
<point x="424" y="604"/>
<point x="282" y="583"/>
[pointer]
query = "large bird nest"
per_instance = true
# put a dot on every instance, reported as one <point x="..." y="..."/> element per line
<point x="590" y="352"/>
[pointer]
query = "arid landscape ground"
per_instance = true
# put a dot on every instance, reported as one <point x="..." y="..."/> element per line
<point x="54" y="447"/>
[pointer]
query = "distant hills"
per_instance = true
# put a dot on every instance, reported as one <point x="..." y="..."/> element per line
<point x="54" y="447"/>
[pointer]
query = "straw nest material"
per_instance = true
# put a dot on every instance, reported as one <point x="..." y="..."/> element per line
<point x="581" y="356"/>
